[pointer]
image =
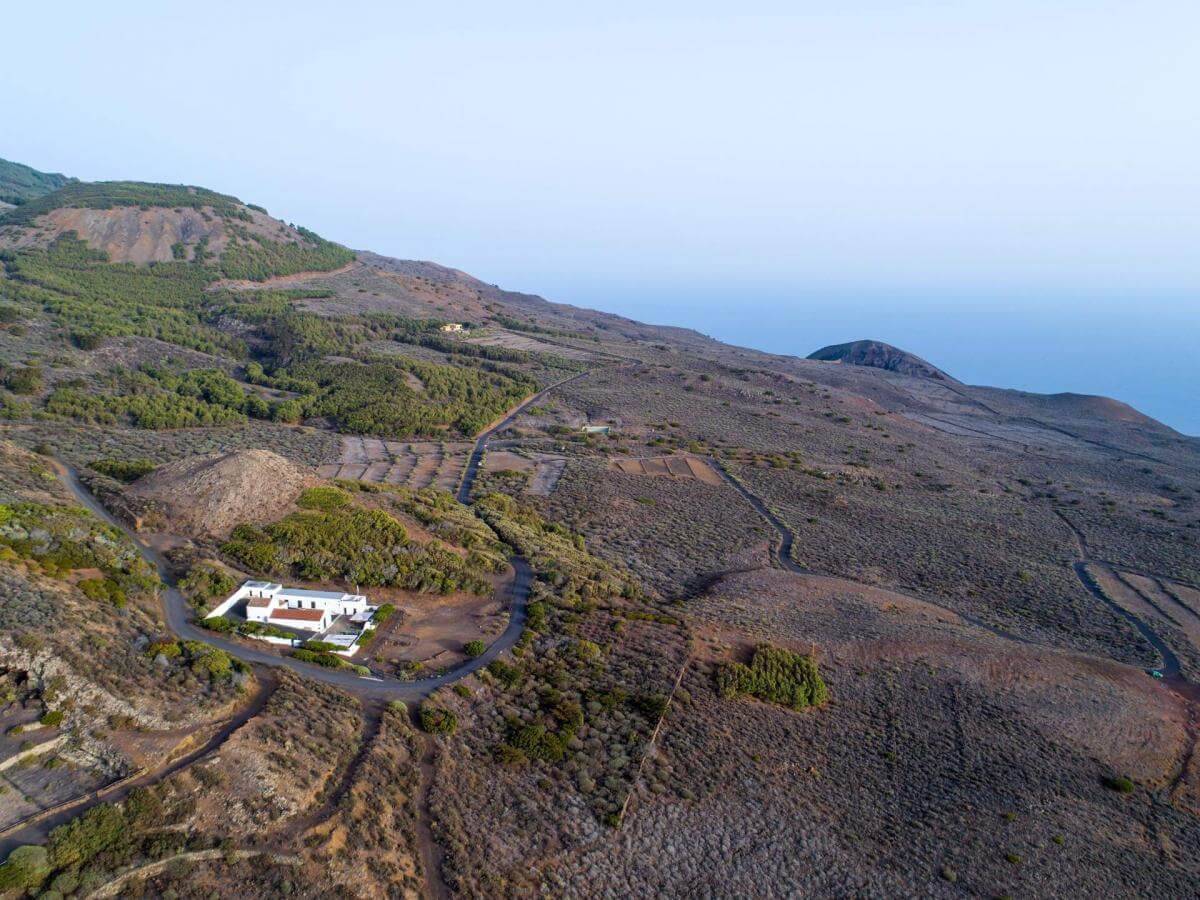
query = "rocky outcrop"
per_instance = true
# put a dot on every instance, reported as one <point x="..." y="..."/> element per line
<point x="878" y="355"/>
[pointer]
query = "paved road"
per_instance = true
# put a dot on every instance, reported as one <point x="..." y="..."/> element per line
<point x="180" y="623"/>
<point x="481" y="442"/>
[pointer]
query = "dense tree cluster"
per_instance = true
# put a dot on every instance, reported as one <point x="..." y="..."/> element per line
<point x="253" y="258"/>
<point x="376" y="397"/>
<point x="366" y="547"/>
<point x="776" y="676"/>
<point x="94" y="298"/>
<point x="110" y="194"/>
<point x="126" y="470"/>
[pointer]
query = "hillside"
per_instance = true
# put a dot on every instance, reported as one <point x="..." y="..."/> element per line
<point x="663" y="616"/>
<point x="141" y="223"/>
<point x="20" y="184"/>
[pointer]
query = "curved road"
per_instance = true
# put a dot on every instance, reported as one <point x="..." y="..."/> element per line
<point x="180" y="623"/>
<point x="481" y="442"/>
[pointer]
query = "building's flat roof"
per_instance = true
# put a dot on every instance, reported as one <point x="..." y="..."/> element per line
<point x="317" y="595"/>
<point x="257" y="602"/>
<point x="300" y="615"/>
<point x="262" y="585"/>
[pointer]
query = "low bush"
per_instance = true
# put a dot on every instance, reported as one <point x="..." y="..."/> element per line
<point x="320" y="658"/>
<point x="324" y="498"/>
<point x="25" y="869"/>
<point x="321" y="646"/>
<point x="125" y="470"/>
<point x="52" y="719"/>
<point x="474" y="648"/>
<point x="437" y="720"/>
<point x="206" y="582"/>
<point x="775" y="675"/>
<point x="1121" y="784"/>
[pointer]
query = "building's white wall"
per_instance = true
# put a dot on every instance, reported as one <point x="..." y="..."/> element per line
<point x="258" y="613"/>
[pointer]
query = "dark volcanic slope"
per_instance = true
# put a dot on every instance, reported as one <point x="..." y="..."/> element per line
<point x="879" y="355"/>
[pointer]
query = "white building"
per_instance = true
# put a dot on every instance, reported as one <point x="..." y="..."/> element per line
<point x="274" y="604"/>
<point x="452" y="327"/>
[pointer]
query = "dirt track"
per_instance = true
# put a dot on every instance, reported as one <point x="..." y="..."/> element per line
<point x="38" y="828"/>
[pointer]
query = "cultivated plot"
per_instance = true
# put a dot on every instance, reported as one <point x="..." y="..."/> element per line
<point x="414" y="464"/>
<point x="688" y="467"/>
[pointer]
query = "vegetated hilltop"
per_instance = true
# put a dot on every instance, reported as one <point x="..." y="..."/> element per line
<point x="139" y="222"/>
<point x="208" y="495"/>
<point x="880" y="623"/>
<point x="880" y="356"/>
<point x="20" y="183"/>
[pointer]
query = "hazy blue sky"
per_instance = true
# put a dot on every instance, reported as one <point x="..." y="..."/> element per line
<point x="1008" y="188"/>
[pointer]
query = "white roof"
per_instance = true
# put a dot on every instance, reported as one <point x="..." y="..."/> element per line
<point x="321" y="595"/>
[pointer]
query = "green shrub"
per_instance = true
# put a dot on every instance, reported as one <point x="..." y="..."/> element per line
<point x="321" y="646"/>
<point x="508" y="675"/>
<point x="219" y="624"/>
<point x="52" y="719"/>
<point x="474" y="648"/>
<point x="321" y="658"/>
<point x="103" y="589"/>
<point x="652" y="706"/>
<point x="125" y="470"/>
<point x="169" y="649"/>
<point x="775" y="675"/>
<point x="206" y="582"/>
<point x="1121" y="784"/>
<point x="25" y="869"/>
<point x="25" y="380"/>
<point x="324" y="498"/>
<point x="538" y="742"/>
<point x="436" y="720"/>
<point x="97" y="830"/>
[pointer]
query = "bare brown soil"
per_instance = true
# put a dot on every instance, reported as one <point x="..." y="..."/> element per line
<point x="431" y="630"/>
<point x="135" y="235"/>
<point x="208" y="496"/>
<point x="414" y="464"/>
<point x="669" y="467"/>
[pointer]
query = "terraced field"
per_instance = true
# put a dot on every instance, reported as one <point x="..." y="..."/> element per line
<point x="414" y="464"/>
<point x="669" y="467"/>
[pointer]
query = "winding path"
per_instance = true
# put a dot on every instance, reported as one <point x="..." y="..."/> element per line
<point x="179" y="622"/>
<point x="472" y="469"/>
<point x="781" y="553"/>
<point x="37" y="828"/>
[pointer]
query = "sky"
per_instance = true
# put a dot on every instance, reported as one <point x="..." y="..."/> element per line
<point x="1010" y="189"/>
